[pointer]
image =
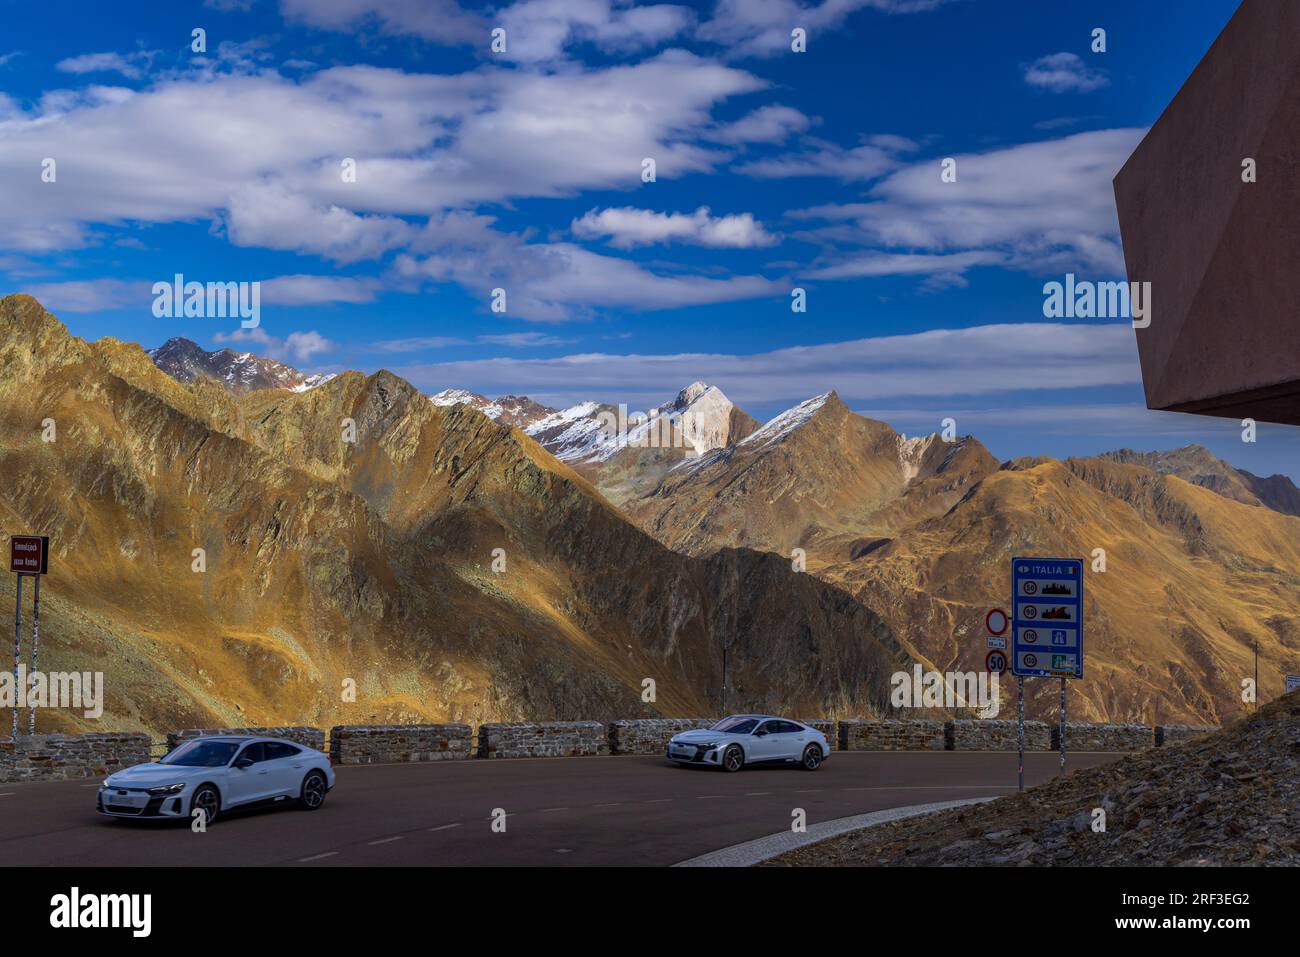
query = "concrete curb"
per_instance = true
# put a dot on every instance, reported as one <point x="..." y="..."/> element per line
<point x="766" y="848"/>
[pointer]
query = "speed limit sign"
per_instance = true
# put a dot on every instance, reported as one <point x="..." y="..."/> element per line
<point x="996" y="662"/>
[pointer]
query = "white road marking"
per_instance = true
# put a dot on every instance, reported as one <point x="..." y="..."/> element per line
<point x="659" y="801"/>
<point x="754" y="794"/>
<point x="444" y="827"/>
<point x="385" y="840"/>
<point x="809" y="790"/>
<point x="706" y="797"/>
<point x="7" y="794"/>
<point x="548" y="810"/>
<point x="316" y="857"/>
<point x="614" y="804"/>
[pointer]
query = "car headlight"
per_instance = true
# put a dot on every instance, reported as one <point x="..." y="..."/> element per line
<point x="168" y="789"/>
<point x="105" y="783"/>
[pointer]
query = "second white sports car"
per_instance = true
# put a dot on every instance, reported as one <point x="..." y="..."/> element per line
<point x="750" y="739"/>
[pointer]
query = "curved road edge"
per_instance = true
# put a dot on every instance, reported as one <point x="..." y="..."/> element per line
<point x="765" y="848"/>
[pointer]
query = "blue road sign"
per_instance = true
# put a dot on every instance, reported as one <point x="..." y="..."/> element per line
<point x="1047" y="617"/>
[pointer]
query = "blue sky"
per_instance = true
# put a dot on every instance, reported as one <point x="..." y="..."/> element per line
<point x="522" y="170"/>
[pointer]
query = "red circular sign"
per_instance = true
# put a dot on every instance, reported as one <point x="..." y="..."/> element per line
<point x="1031" y="587"/>
<point x="1031" y="611"/>
<point x="996" y="662"/>
<point x="1031" y="661"/>
<point x="996" y="621"/>
<point x="1030" y="635"/>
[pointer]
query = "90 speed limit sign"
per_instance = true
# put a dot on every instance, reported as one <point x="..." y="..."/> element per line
<point x="996" y="662"/>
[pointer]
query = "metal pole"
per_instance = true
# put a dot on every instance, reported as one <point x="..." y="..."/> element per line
<point x="1257" y="675"/>
<point x="1062" y="724"/>
<point x="1020" y="697"/>
<point x="18" y="638"/>
<point x="36" y="637"/>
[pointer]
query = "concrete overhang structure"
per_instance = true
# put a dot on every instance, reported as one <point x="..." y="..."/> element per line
<point x="1223" y="255"/>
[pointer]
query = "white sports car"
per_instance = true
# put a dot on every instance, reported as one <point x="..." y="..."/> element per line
<point x="216" y="774"/>
<point x="750" y="739"/>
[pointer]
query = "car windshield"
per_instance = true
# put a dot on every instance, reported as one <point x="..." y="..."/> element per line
<point x="202" y="754"/>
<point x="736" y="725"/>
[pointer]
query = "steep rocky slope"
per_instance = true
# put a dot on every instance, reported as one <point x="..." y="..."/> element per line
<point x="1195" y="464"/>
<point x="922" y="532"/>
<point x="1226" y="799"/>
<point x="348" y="533"/>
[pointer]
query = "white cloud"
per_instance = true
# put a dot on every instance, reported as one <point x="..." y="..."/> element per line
<point x="762" y="27"/>
<point x="557" y="281"/>
<point x="1045" y="206"/>
<point x="541" y="29"/>
<point x="178" y="150"/>
<point x="903" y="264"/>
<point x="523" y="340"/>
<point x="131" y="65"/>
<point x="441" y="20"/>
<point x="873" y="158"/>
<point x="301" y="290"/>
<point x="417" y="343"/>
<point x="767" y="124"/>
<point x="296" y="346"/>
<point x="92" y="295"/>
<point x="1064" y="73"/>
<point x="981" y="360"/>
<point x="628" y="227"/>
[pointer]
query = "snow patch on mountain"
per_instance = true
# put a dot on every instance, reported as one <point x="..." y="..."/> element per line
<point x="785" y="423"/>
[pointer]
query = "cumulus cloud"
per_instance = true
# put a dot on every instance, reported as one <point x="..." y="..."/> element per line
<point x="177" y="150"/>
<point x="295" y="347"/>
<point x="541" y="29"/>
<point x="1064" y="73"/>
<point x="981" y="360"/>
<point x="92" y="295"/>
<point x="1039" y="206"/>
<point x="628" y="227"/>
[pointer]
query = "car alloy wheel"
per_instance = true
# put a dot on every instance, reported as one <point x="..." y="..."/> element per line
<point x="812" y="757"/>
<point x="733" y="758"/>
<point x="313" y="791"/>
<point x="208" y="801"/>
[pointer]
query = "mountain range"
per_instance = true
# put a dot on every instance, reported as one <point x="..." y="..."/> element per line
<point x="457" y="557"/>
<point x="354" y="552"/>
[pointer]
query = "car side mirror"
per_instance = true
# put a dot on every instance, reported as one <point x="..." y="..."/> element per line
<point x="243" y="763"/>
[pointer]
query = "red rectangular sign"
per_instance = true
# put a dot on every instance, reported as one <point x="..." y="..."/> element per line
<point x="29" y="554"/>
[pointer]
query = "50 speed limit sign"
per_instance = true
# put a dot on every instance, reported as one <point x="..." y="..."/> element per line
<point x="996" y="662"/>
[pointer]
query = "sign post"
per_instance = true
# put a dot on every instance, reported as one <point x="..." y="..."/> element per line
<point x="1046" y="629"/>
<point x="28" y="555"/>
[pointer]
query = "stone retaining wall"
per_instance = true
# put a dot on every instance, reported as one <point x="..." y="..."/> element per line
<point x="827" y="728"/>
<point x="1103" y="737"/>
<point x="61" y="757"/>
<point x="650" y="735"/>
<point x="546" y="739"/>
<point x="891" y="735"/>
<point x="1167" y="734"/>
<point x="311" y="737"/>
<point x="398" y="744"/>
<point x="971" y="735"/>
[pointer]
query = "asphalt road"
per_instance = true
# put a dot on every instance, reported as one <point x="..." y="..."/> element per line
<point x="559" y="811"/>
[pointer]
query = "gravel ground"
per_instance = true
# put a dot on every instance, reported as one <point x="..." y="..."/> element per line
<point x="1229" y="798"/>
